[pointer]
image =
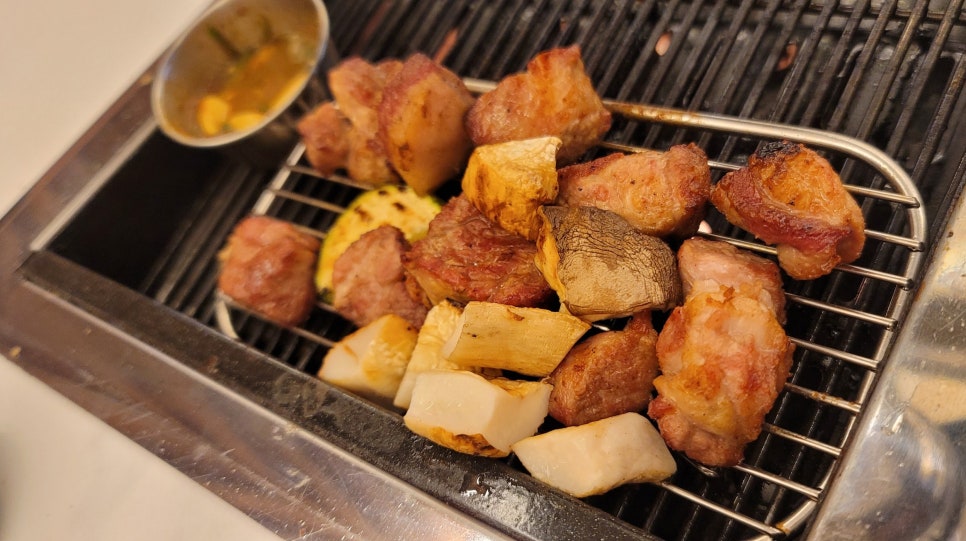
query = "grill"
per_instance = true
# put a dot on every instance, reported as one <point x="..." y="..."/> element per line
<point x="775" y="491"/>
<point x="877" y="86"/>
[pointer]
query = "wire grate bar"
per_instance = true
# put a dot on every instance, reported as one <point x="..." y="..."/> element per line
<point x="305" y="200"/>
<point x="824" y="398"/>
<point x="806" y="491"/>
<point x="802" y="440"/>
<point x="869" y="364"/>
<point x="887" y="322"/>
<point x="766" y="529"/>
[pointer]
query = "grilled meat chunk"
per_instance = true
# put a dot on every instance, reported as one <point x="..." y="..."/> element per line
<point x="358" y="88"/>
<point x="324" y="131"/>
<point x="790" y="197"/>
<point x="707" y="265"/>
<point x="421" y="123"/>
<point x="268" y="266"/>
<point x="724" y="358"/>
<point x="368" y="280"/>
<point x="554" y="97"/>
<point x="607" y="374"/>
<point x="661" y="193"/>
<point x="465" y="257"/>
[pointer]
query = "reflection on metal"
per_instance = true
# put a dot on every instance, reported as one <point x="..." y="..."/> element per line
<point x="907" y="478"/>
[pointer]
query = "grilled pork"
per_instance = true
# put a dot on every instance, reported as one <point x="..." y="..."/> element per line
<point x="324" y="131"/>
<point x="661" y="193"/>
<point x="421" y="123"/>
<point x="268" y="266"/>
<point x="553" y="97"/>
<point x="465" y="257"/>
<point x="607" y="374"/>
<point x="724" y="358"/>
<point x="368" y="280"/>
<point x="790" y="197"/>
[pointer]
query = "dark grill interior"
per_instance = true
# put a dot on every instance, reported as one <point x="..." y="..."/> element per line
<point x="889" y="73"/>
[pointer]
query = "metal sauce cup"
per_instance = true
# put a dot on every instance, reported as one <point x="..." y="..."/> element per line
<point x="200" y="62"/>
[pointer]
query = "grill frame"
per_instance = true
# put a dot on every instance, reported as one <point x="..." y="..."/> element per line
<point x="49" y="282"/>
<point x="280" y="199"/>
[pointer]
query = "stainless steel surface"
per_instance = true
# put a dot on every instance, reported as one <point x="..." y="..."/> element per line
<point x="899" y="189"/>
<point x="171" y="398"/>
<point x="276" y="472"/>
<point x="197" y="64"/>
<point x="905" y="475"/>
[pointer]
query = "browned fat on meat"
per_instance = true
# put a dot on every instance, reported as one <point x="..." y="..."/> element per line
<point x="554" y="97"/>
<point x="791" y="197"/>
<point x="661" y="193"/>
<point x="465" y="257"/>
<point x="268" y="266"/>
<point x="607" y="374"/>
<point x="368" y="279"/>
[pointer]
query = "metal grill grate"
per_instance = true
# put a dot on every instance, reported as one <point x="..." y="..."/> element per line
<point x="787" y="469"/>
<point x="888" y="73"/>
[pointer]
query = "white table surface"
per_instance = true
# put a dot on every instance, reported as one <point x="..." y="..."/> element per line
<point x="64" y="474"/>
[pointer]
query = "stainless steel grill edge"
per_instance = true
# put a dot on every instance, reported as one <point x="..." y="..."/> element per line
<point x="138" y="348"/>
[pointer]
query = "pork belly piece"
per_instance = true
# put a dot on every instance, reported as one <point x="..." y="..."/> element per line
<point x="367" y="162"/>
<point x="421" y="123"/>
<point x="553" y="97"/>
<point x="664" y="194"/>
<point x="324" y="132"/>
<point x="607" y="374"/>
<point x="724" y="358"/>
<point x="268" y="266"/>
<point x="357" y="87"/>
<point x="790" y="197"/>
<point x="707" y="266"/>
<point x="368" y="280"/>
<point x="465" y="257"/>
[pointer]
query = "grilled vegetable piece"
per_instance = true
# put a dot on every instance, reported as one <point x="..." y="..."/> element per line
<point x="602" y="267"/>
<point x="664" y="194"/>
<point x="421" y="123"/>
<point x="791" y="197"/>
<point x="397" y="206"/>
<point x="594" y="458"/>
<point x="470" y="414"/>
<point x="372" y="360"/>
<point x="554" y="97"/>
<point x="529" y="341"/>
<point x="509" y="181"/>
<point x="607" y="374"/>
<point x="267" y="266"/>
<point x="439" y="325"/>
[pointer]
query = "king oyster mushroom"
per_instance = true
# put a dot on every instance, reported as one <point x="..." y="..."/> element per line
<point x="602" y="267"/>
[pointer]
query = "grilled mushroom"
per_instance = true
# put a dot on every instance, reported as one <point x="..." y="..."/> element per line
<point x="602" y="267"/>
